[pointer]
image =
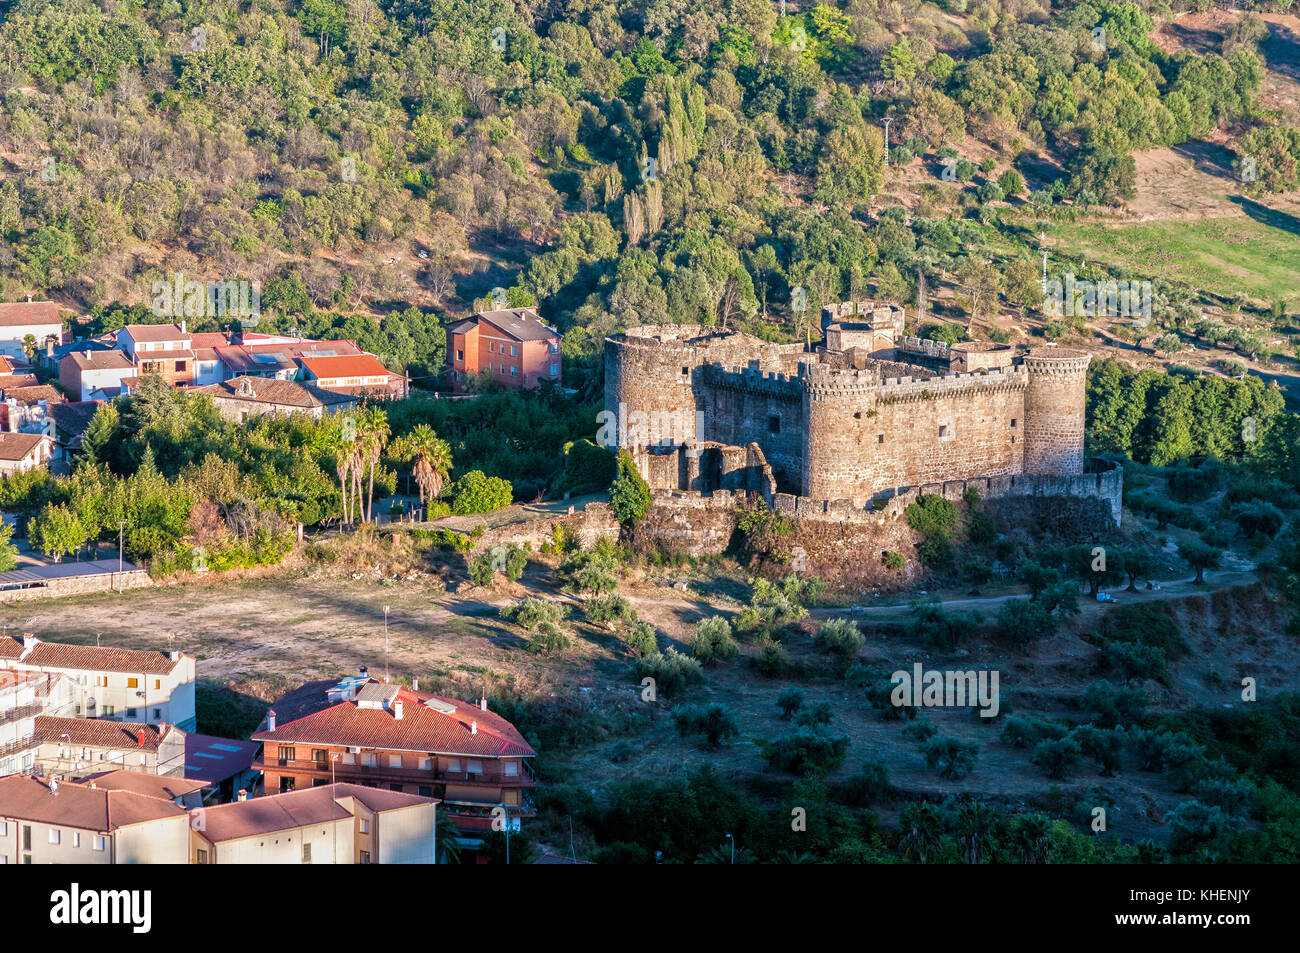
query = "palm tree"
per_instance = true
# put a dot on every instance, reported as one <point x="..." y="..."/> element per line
<point x="1030" y="838"/>
<point x="920" y="831"/>
<point x="448" y="835"/>
<point x="343" y="447"/>
<point x="430" y="456"/>
<point x="976" y="830"/>
<point x="372" y="437"/>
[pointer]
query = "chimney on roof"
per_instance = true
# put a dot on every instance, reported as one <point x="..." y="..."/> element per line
<point x="242" y="795"/>
<point x="270" y="720"/>
<point x="183" y="326"/>
<point x="473" y="727"/>
<point x="415" y="684"/>
<point x="162" y="728"/>
<point x="139" y="737"/>
<point x="365" y="672"/>
<point x="174" y="655"/>
<point x="86" y="354"/>
<point x="397" y="709"/>
<point x="54" y="784"/>
<point x="29" y="298"/>
<point x="93" y="786"/>
<point x="482" y="703"/>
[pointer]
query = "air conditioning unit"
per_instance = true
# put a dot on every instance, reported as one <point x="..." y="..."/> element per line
<point x="352" y="750"/>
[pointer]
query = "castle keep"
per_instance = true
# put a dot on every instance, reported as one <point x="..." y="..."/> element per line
<point x="869" y="412"/>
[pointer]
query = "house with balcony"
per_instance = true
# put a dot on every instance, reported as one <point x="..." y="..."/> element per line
<point x="135" y="685"/>
<point x="74" y="748"/>
<point x="163" y="349"/>
<point x="24" y="697"/>
<point x="364" y="731"/>
<point x="514" y="346"/>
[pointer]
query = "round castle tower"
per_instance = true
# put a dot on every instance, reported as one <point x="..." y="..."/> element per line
<point x="1055" y="402"/>
<point x="649" y="383"/>
<point x="834" y="437"/>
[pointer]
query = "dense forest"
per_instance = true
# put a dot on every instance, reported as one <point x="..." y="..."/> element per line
<point x="378" y="166"/>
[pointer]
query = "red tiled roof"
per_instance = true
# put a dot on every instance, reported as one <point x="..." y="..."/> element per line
<point x="18" y="380"/>
<point x="99" y="360"/>
<point x="343" y="365"/>
<point x="16" y="446"/>
<point x="156" y="332"/>
<point x="294" y="809"/>
<point x="78" y="805"/>
<point x="146" y="785"/>
<point x="421" y="728"/>
<point x="34" y="393"/>
<point x="99" y="733"/>
<point x="269" y="390"/>
<point x="29" y="312"/>
<point x="102" y="659"/>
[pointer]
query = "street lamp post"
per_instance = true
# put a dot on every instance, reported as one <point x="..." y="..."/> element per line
<point x="386" y="678"/>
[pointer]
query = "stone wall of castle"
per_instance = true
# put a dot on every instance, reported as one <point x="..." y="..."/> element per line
<point x="838" y="429"/>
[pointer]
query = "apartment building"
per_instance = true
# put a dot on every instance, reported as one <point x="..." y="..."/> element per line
<point x="163" y="349"/>
<point x="515" y="347"/>
<point x="364" y="731"/>
<point x="25" y="696"/>
<point x="133" y="685"/>
<point x="327" y="824"/>
<point x="45" y="821"/>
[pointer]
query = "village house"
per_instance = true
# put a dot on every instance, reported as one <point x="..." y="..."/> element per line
<point x="95" y="373"/>
<point x="163" y="349"/>
<point x="36" y="319"/>
<point x="328" y="824"/>
<point x="128" y="684"/>
<point x="245" y="397"/>
<point x="360" y="374"/>
<point x="378" y="734"/>
<point x="514" y="346"/>
<point x="45" y="821"/>
<point x="20" y="452"/>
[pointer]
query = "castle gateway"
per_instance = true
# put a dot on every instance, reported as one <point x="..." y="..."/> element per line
<point x="868" y="412"/>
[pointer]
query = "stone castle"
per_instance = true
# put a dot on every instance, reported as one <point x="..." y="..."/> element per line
<point x="867" y="413"/>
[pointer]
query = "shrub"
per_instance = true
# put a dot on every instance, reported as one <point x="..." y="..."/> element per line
<point x="936" y="551"/>
<point x="953" y="759"/>
<point x="1057" y="756"/>
<point x="817" y="716"/>
<point x="531" y="612"/>
<point x="930" y="514"/>
<point x="790" y="701"/>
<point x="641" y="639"/>
<point x="714" y="722"/>
<point x="771" y="659"/>
<point x="866" y="787"/>
<point x="805" y="751"/>
<point x="629" y="494"/>
<point x="671" y="670"/>
<point x="712" y="640"/>
<point x="476" y="492"/>
<point x="609" y="609"/>
<point x="1192" y="824"/>
<point x="894" y="561"/>
<point x="1114" y="705"/>
<point x="1023" y="621"/>
<point x="482" y="570"/>
<point x="839" y="637"/>
<point x="549" y="638"/>
<point x="980" y="527"/>
<point x="1025" y="731"/>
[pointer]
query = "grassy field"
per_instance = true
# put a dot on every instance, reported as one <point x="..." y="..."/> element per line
<point x="1256" y="256"/>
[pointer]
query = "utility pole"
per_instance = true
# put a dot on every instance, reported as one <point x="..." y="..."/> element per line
<point x="386" y="642"/>
<point x="121" y="533"/>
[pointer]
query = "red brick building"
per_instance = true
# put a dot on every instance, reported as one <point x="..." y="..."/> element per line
<point x="368" y="732"/>
<point x="514" y="346"/>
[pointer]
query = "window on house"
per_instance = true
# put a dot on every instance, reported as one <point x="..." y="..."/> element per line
<point x="110" y="710"/>
<point x="349" y="758"/>
<point x="4" y="828"/>
<point x="321" y="757"/>
<point x="943" y="431"/>
<point x="512" y="769"/>
<point x="157" y="684"/>
<point x="453" y="765"/>
<point x="131" y="713"/>
<point x="133" y="683"/>
<point x="369" y="760"/>
<point x="76" y="838"/>
<point x="425" y="790"/>
<point x="686" y="370"/>
<point x="394" y="760"/>
<point x="365" y="826"/>
<point x="306" y="853"/>
<point x="365" y="856"/>
<point x="54" y="835"/>
<point x="201" y="857"/>
<point x="514" y="351"/>
<point x="395" y="787"/>
<point x="101" y="681"/>
<point x="426" y="764"/>
<point x="774" y="424"/>
<point x="514" y="371"/>
<point x="285" y="755"/>
<point x="27" y="837"/>
<point x="460" y="355"/>
<point x="555" y="370"/>
<point x="98" y="843"/>
<point x="555" y="347"/>
<point x="180" y="365"/>
<point x="880" y="438"/>
<point x="286" y="784"/>
<point x="1013" y="421"/>
<point x="157" y="713"/>
<point x="474" y="767"/>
